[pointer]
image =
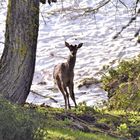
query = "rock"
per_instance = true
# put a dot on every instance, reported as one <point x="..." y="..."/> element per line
<point x="129" y="87"/>
<point x="87" y="82"/>
<point x="102" y="126"/>
<point x="111" y="87"/>
<point x="42" y="83"/>
<point x="87" y="118"/>
<point x="135" y="132"/>
<point x="81" y="127"/>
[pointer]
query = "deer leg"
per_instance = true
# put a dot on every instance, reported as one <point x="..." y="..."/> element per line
<point x="62" y="91"/>
<point x="71" y="90"/>
<point x="67" y="95"/>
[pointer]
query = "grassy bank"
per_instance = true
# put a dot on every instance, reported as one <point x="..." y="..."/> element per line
<point x="83" y="123"/>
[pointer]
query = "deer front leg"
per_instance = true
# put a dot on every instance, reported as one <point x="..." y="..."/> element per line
<point x="71" y="90"/>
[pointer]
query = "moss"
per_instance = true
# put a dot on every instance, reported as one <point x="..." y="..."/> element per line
<point x="9" y="11"/>
<point x="22" y="48"/>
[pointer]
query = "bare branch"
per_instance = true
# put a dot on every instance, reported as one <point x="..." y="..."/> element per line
<point x="34" y="92"/>
<point x="123" y="4"/>
<point x="136" y="5"/>
<point x="43" y="1"/>
<point x="137" y="33"/>
<point x="128" y="24"/>
<point x="43" y="18"/>
<point x="2" y="42"/>
<point x="99" y="6"/>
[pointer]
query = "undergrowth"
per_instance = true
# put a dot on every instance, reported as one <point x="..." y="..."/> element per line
<point x="123" y="85"/>
<point x="82" y="123"/>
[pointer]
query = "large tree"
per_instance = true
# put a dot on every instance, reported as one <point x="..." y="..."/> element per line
<point x="18" y="59"/>
<point x="17" y="63"/>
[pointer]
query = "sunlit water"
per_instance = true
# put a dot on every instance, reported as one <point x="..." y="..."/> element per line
<point x="68" y="22"/>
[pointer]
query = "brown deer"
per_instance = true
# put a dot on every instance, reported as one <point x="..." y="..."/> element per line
<point x="64" y="74"/>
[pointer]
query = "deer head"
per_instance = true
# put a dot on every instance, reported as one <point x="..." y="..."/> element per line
<point x="73" y="48"/>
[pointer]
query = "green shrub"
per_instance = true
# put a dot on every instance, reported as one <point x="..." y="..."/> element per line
<point x="16" y="122"/>
<point x="123" y="128"/>
<point x="123" y="85"/>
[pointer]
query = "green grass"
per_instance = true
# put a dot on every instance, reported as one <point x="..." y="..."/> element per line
<point x="62" y="134"/>
<point x="41" y="123"/>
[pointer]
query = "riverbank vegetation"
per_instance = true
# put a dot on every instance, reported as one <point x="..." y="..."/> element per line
<point x="123" y="85"/>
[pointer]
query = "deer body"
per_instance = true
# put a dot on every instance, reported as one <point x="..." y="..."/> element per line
<point x="64" y="74"/>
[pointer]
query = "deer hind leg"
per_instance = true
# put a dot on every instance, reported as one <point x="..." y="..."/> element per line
<point x="62" y="91"/>
<point x="71" y="90"/>
<point x="67" y="95"/>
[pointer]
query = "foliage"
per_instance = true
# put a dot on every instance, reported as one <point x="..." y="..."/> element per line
<point x="123" y="84"/>
<point x="81" y="108"/>
<point x="40" y="134"/>
<point x="17" y="122"/>
<point x="123" y="128"/>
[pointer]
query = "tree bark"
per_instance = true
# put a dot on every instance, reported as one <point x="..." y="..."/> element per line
<point x="18" y="59"/>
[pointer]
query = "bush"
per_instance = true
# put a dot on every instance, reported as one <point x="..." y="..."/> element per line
<point x="16" y="122"/>
<point x="123" y="85"/>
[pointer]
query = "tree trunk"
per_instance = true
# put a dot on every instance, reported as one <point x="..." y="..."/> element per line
<point x="18" y="60"/>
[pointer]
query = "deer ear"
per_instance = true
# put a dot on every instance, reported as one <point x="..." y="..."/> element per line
<point x="80" y="45"/>
<point x="67" y="44"/>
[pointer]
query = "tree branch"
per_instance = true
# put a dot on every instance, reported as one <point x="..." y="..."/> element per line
<point x="128" y="24"/>
<point x="43" y="1"/>
<point x="2" y="42"/>
<point x="34" y="92"/>
<point x="100" y="5"/>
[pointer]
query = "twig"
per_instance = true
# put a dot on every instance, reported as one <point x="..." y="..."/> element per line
<point x="131" y="20"/>
<point x="123" y="4"/>
<point x="137" y="33"/>
<point x="43" y="18"/>
<point x="136" y="5"/>
<point x="2" y="42"/>
<point x="124" y="27"/>
<point x="101" y="4"/>
<point x="34" y="92"/>
<point x="86" y="10"/>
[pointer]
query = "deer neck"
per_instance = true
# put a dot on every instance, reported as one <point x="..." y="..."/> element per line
<point x="71" y="61"/>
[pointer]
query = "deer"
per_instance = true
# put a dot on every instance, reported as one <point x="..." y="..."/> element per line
<point x="63" y="75"/>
